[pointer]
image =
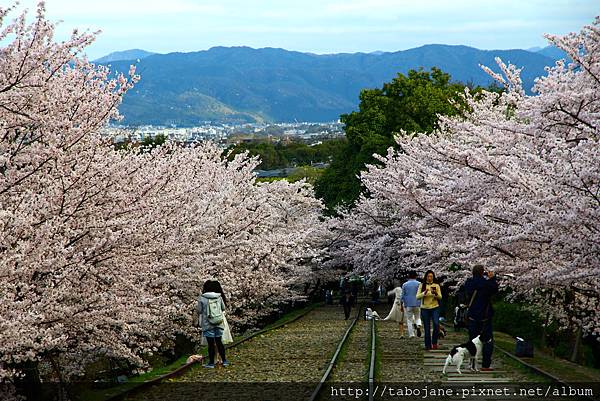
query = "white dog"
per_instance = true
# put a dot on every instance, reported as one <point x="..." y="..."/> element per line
<point x="371" y="314"/>
<point x="471" y="348"/>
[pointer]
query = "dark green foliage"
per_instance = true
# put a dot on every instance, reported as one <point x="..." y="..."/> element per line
<point x="337" y="185"/>
<point x="154" y="141"/>
<point x="280" y="155"/>
<point x="514" y="319"/>
<point x="149" y="143"/>
<point x="408" y="103"/>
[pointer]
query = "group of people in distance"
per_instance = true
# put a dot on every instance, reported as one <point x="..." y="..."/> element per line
<point x="417" y="304"/>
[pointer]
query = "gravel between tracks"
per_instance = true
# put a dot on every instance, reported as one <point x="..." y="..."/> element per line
<point x="400" y="359"/>
<point x="296" y="353"/>
<point x="353" y="363"/>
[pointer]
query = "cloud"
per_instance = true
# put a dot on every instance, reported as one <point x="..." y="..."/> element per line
<point x="327" y="25"/>
<point x="416" y="28"/>
<point x="125" y="10"/>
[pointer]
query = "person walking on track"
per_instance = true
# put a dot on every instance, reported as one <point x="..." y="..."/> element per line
<point x="211" y="310"/>
<point x="347" y="301"/>
<point x="227" y="338"/>
<point x="430" y="294"/>
<point x="480" y="288"/>
<point x="397" y="312"/>
<point x="412" y="306"/>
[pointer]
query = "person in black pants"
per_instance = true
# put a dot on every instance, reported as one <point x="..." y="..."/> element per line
<point x="479" y="290"/>
<point x="212" y="328"/>
<point x="347" y="301"/>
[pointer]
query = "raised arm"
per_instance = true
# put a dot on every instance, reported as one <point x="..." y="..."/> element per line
<point x="420" y="294"/>
<point x="438" y="293"/>
<point x="492" y="285"/>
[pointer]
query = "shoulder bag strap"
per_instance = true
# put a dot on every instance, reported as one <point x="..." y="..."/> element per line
<point x="472" y="298"/>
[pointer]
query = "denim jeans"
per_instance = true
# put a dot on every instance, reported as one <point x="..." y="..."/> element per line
<point x="483" y="328"/>
<point x="213" y="332"/>
<point x="426" y="316"/>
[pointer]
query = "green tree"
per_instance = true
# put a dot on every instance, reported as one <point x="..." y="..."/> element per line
<point x="270" y="157"/>
<point x="409" y="102"/>
<point x="149" y="143"/>
<point x="280" y="155"/>
<point x="152" y="142"/>
<point x="298" y="153"/>
<point x="309" y="173"/>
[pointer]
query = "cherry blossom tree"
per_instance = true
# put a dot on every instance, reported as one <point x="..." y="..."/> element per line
<point x="58" y="215"/>
<point x="513" y="183"/>
<point x="103" y="252"/>
<point x="247" y="235"/>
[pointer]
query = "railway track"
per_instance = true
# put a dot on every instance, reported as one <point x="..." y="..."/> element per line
<point x="319" y="346"/>
<point x="371" y="393"/>
<point x="408" y="362"/>
<point x="280" y="363"/>
<point x="334" y="360"/>
<point x="132" y="391"/>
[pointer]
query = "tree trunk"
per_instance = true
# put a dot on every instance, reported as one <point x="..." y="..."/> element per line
<point x="62" y="392"/>
<point x="545" y="332"/>
<point x="575" y="353"/>
<point x="30" y="385"/>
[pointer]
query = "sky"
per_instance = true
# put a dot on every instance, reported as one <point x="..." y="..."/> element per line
<point x="318" y="26"/>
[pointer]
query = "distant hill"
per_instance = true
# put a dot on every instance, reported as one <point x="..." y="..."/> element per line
<point x="132" y="54"/>
<point x="241" y="84"/>
<point x="553" y="52"/>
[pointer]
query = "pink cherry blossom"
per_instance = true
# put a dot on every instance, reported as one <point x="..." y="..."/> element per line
<point x="513" y="184"/>
<point x="103" y="252"/>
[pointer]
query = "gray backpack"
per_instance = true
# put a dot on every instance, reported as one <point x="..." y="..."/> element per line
<point x="214" y="311"/>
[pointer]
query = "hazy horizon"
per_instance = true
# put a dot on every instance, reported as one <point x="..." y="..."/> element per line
<point x="316" y="26"/>
<point x="533" y="48"/>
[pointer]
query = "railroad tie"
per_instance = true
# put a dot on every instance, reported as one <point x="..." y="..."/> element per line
<point x="436" y="359"/>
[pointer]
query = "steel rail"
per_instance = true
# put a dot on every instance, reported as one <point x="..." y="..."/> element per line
<point x="333" y="361"/>
<point x="180" y="370"/>
<point x="372" y="363"/>
<point x="533" y="368"/>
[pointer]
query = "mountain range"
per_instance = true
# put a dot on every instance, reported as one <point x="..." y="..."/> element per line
<point x="133" y="54"/>
<point x="242" y="84"/>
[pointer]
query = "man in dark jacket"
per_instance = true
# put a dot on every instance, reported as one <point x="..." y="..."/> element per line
<point x="347" y="301"/>
<point x="480" y="289"/>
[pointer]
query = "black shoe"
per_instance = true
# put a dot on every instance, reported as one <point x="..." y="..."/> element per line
<point x="418" y="331"/>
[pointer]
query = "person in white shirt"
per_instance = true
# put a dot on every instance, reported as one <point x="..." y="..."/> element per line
<point x="397" y="312"/>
